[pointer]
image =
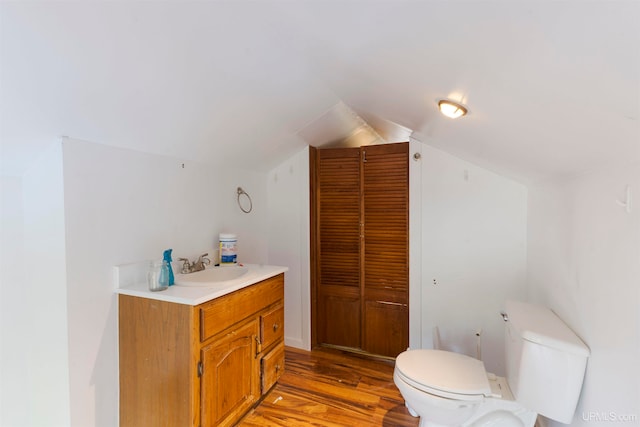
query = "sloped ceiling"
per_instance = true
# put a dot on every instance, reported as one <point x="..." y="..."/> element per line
<point x="553" y="87"/>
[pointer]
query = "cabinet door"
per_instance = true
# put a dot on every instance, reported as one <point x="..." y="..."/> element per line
<point x="230" y="374"/>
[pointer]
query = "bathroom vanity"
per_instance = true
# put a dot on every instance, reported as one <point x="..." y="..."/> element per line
<point x="200" y="356"/>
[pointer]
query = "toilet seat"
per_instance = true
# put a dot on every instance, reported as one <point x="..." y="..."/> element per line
<point x="445" y="374"/>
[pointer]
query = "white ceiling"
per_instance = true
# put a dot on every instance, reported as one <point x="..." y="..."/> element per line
<point x="553" y="87"/>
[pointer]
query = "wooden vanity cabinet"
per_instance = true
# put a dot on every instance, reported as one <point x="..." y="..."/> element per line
<point x="200" y="366"/>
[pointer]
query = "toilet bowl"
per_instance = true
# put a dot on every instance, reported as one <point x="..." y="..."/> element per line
<point x="545" y="364"/>
<point x="451" y="389"/>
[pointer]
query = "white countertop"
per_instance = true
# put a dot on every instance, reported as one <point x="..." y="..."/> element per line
<point x="192" y="295"/>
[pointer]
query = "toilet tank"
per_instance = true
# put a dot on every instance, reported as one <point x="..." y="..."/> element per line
<point x="546" y="361"/>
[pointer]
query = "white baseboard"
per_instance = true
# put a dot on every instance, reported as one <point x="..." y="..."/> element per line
<point x="295" y="342"/>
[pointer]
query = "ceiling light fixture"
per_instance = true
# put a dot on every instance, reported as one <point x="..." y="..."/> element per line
<point x="452" y="109"/>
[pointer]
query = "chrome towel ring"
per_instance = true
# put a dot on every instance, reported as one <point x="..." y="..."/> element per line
<point x="241" y="192"/>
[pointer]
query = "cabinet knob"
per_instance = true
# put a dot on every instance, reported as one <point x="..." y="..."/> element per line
<point x="275" y="327"/>
<point x="277" y="368"/>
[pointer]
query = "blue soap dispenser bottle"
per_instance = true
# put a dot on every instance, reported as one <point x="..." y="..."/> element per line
<point x="166" y="273"/>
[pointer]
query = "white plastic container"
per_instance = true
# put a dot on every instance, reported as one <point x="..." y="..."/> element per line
<point x="228" y="249"/>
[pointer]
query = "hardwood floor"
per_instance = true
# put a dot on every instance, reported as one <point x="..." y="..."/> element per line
<point x="331" y="388"/>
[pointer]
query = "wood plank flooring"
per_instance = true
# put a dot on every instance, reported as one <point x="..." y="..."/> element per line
<point x="331" y="388"/>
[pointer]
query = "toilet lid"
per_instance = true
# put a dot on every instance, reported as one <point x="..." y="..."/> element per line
<point x="448" y="372"/>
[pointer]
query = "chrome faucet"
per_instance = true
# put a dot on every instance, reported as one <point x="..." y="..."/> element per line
<point x="191" y="267"/>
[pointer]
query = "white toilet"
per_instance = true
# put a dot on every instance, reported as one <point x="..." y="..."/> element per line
<point x="545" y="360"/>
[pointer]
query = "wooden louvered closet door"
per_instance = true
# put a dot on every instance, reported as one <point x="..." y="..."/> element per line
<point x="338" y="253"/>
<point x="385" y="248"/>
<point x="361" y="248"/>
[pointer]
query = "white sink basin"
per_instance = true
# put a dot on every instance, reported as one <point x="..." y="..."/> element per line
<point x="210" y="276"/>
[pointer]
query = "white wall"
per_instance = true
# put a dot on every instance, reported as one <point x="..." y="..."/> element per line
<point x="473" y="225"/>
<point x="124" y="206"/>
<point x="584" y="263"/>
<point x="289" y="230"/>
<point x="119" y="206"/>
<point x="45" y="279"/>
<point x="415" y="244"/>
<point x="13" y="305"/>
<point x="35" y="378"/>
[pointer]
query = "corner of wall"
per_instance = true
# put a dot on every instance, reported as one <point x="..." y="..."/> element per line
<point x="13" y="311"/>
<point x="289" y="230"/>
<point x="46" y="289"/>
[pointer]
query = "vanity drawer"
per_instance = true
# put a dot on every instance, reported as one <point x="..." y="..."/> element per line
<point x="272" y="326"/>
<point x="272" y="367"/>
<point x="220" y="313"/>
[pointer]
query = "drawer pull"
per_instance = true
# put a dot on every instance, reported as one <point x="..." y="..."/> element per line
<point x="275" y="327"/>
<point x="277" y="368"/>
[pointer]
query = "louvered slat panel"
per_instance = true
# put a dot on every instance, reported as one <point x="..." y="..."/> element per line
<point x="339" y="207"/>
<point x="386" y="204"/>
